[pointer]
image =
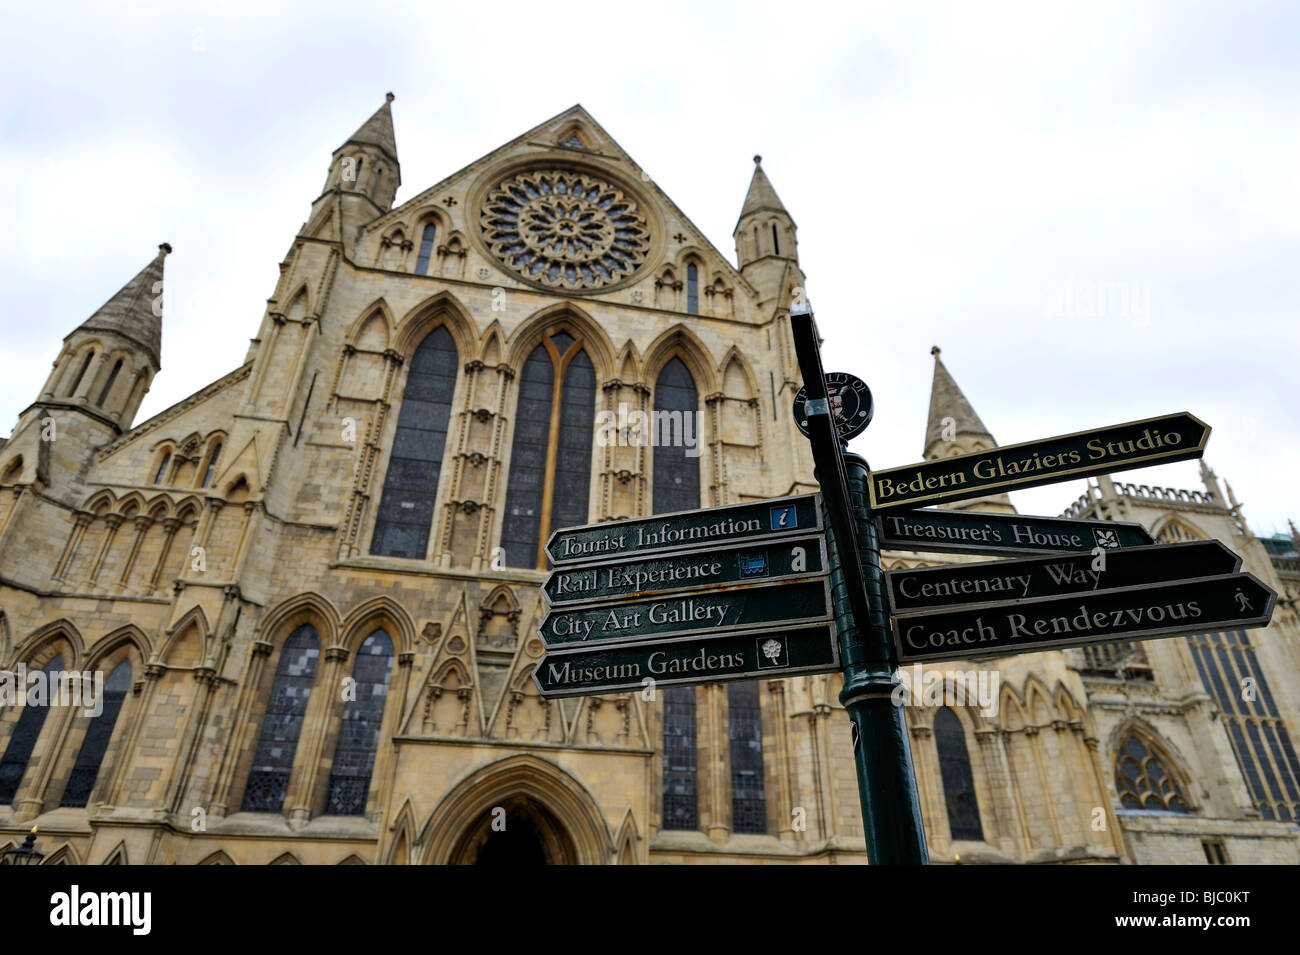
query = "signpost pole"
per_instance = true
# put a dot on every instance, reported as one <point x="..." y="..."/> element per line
<point x="891" y="808"/>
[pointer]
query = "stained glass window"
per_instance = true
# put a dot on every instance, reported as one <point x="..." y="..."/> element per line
<point x="410" y="488"/>
<point x="98" y="735"/>
<point x="108" y="385"/>
<point x="692" y="289"/>
<point x="677" y="415"/>
<point x="14" y="762"/>
<point x="958" y="781"/>
<point x="1231" y="673"/>
<point x="1143" y="782"/>
<point x="548" y="486"/>
<point x="268" y="780"/>
<point x="212" y="464"/>
<point x="354" y="757"/>
<point x="681" y="809"/>
<point x="426" y="249"/>
<point x="748" y="803"/>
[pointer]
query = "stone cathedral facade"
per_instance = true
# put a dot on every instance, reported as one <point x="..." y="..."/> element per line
<point x="311" y="587"/>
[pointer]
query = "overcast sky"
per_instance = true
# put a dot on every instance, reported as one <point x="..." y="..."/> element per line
<point x="957" y="173"/>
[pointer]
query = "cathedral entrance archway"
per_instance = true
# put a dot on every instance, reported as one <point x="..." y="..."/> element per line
<point x="549" y="819"/>
<point x="519" y="833"/>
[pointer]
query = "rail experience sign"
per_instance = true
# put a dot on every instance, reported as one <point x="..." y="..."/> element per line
<point x="1120" y="447"/>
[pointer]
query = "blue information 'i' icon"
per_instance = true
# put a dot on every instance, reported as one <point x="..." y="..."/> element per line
<point x="783" y="517"/>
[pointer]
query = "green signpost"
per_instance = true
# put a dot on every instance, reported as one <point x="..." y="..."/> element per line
<point x="794" y="585"/>
<point x="974" y="532"/>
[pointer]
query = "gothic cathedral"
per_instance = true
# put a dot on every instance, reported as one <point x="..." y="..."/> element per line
<point x="311" y="588"/>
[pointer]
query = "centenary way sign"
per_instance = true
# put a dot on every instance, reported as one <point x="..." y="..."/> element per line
<point x="1227" y="602"/>
<point x="1012" y="580"/>
<point x="769" y="560"/>
<point x="1120" y="447"/>
<point x="973" y="532"/>
<point x="687" y="612"/>
<point x="737" y="523"/>
<point x="693" y="659"/>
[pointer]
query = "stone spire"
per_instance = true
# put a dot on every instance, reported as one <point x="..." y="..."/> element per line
<point x="131" y="313"/>
<point x="378" y="130"/>
<point x="767" y="248"/>
<point x="954" y="428"/>
<point x="761" y="196"/>
<point x="947" y="402"/>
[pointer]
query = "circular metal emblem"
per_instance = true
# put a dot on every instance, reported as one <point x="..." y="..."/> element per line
<point x="850" y="401"/>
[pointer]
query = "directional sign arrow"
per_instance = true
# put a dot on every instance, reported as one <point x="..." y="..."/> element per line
<point x="687" y="570"/>
<point x="974" y="532"/>
<point x="772" y="652"/>
<point x="1120" y="447"/>
<point x="1032" y="577"/>
<point x="715" y="525"/>
<point x="793" y="601"/>
<point x="1229" y="602"/>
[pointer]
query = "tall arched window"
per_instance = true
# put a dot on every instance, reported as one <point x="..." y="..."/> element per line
<point x="550" y="458"/>
<point x="98" y="735"/>
<point x="212" y="464"/>
<point x="1143" y="782"/>
<point x="14" y="762"/>
<point x="354" y="756"/>
<point x="162" y="468"/>
<point x="776" y="243"/>
<point x="748" y="802"/>
<point x="411" y="485"/>
<point x="958" y="781"/>
<point x="268" y="780"/>
<point x="426" y="249"/>
<point x="692" y="289"/>
<point x="108" y="385"/>
<point x="81" y="374"/>
<point x="676" y="466"/>
<point x="681" y="799"/>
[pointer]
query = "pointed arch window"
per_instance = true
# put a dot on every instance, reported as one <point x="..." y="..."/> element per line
<point x="354" y="756"/>
<point x="426" y="249"/>
<point x="692" y="289"/>
<point x="748" y="801"/>
<point x="411" y="485"/>
<point x="162" y="468"/>
<point x="212" y="464"/>
<point x="81" y="373"/>
<point x="108" y="385"/>
<point x="776" y="243"/>
<point x="681" y="790"/>
<point x="677" y="417"/>
<point x="19" y="751"/>
<point x="550" y="457"/>
<point x="1143" y="782"/>
<point x="268" y="780"/>
<point x="958" y="780"/>
<point x="98" y="735"/>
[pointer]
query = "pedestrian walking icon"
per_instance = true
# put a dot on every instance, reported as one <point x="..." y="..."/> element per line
<point x="1243" y="601"/>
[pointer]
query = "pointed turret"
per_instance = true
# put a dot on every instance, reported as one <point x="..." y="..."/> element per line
<point x="954" y="428"/>
<point x="766" y="244"/>
<point x="364" y="171"/>
<point x="135" y="311"/>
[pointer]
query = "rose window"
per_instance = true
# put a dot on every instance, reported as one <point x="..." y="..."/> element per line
<point x="565" y="230"/>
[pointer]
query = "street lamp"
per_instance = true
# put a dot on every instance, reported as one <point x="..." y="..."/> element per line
<point x="25" y="854"/>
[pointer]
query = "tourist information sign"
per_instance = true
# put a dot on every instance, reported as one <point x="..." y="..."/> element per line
<point x="1012" y="580"/>
<point x="974" y="532"/>
<point x="734" y="524"/>
<point x="1137" y="444"/>
<point x="739" y="655"/>
<point x="762" y="560"/>
<point x="715" y="611"/>
<point x="1226" y="602"/>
